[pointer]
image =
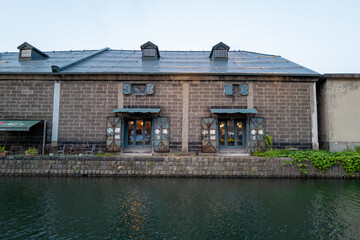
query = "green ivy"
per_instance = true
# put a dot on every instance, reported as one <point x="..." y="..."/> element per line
<point x="268" y="142"/>
<point x="320" y="159"/>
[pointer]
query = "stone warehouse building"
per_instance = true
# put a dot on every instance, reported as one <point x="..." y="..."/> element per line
<point x="157" y="101"/>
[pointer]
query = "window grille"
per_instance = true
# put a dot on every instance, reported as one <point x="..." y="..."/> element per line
<point x="138" y="89"/>
<point x="221" y="53"/>
<point x="149" y="52"/>
<point x="26" y="53"/>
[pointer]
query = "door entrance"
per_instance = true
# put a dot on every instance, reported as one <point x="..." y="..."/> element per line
<point x="232" y="133"/>
<point x="138" y="133"/>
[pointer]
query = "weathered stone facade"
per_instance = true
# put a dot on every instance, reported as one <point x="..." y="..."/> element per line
<point x="26" y="98"/>
<point x="84" y="106"/>
<point x="86" y="102"/>
<point x="286" y="107"/>
<point x="169" y="166"/>
<point x="161" y="101"/>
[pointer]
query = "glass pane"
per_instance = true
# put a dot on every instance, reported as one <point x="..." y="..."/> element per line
<point x="239" y="136"/>
<point x="231" y="133"/>
<point x="147" y="133"/>
<point x="139" y="132"/>
<point x="148" y="52"/>
<point x="222" y="133"/>
<point x="138" y="89"/>
<point x="130" y="132"/>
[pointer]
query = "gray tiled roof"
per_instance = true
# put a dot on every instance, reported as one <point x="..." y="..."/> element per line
<point x="171" y="62"/>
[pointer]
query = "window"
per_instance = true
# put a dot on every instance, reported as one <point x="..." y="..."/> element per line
<point x="148" y="52"/>
<point x="26" y="53"/>
<point x="236" y="89"/>
<point x="138" y="89"/>
<point x="221" y="53"/>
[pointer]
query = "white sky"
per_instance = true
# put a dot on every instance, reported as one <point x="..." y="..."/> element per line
<point x="323" y="35"/>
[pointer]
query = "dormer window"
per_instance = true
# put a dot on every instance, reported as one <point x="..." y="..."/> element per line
<point x="219" y="51"/>
<point x="150" y="51"/>
<point x="28" y="53"/>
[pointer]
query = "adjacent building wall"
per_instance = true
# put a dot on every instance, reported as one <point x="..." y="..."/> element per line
<point x="339" y="111"/>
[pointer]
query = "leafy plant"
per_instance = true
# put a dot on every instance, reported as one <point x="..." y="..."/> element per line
<point x="268" y="142"/>
<point x="106" y="154"/>
<point x="357" y="149"/>
<point x="320" y="159"/>
<point x="76" y="168"/>
<point x="2" y="150"/>
<point x="32" y="150"/>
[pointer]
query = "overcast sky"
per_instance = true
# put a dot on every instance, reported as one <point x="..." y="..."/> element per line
<point x="323" y="35"/>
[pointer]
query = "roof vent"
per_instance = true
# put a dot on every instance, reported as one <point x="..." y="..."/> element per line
<point x="28" y="52"/>
<point x="150" y="51"/>
<point x="219" y="51"/>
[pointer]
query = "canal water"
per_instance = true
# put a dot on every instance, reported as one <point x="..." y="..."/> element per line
<point x="168" y="208"/>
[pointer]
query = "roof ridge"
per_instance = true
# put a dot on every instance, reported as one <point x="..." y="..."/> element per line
<point x="57" y="69"/>
<point x="258" y="53"/>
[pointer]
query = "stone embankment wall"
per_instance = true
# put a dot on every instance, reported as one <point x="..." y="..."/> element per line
<point x="199" y="166"/>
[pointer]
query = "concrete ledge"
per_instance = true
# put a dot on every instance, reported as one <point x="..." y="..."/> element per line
<point x="167" y="166"/>
<point x="341" y="146"/>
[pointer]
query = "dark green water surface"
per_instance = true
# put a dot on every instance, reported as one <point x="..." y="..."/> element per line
<point x="150" y="208"/>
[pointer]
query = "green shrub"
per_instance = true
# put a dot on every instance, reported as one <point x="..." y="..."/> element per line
<point x="268" y="142"/>
<point x="2" y="150"/>
<point x="320" y="159"/>
<point x="357" y="149"/>
<point x="32" y="150"/>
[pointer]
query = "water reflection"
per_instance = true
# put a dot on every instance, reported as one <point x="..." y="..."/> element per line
<point x="125" y="208"/>
<point x="132" y="214"/>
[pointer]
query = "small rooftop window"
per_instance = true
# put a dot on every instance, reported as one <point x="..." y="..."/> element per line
<point x="25" y="53"/>
<point x="219" y="51"/>
<point x="28" y="53"/>
<point x="150" y="51"/>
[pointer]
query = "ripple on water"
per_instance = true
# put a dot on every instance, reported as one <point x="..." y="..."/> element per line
<point x="136" y="208"/>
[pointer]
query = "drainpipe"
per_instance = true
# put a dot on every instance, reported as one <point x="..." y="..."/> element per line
<point x="55" y="117"/>
<point x="44" y="134"/>
<point x="314" y="122"/>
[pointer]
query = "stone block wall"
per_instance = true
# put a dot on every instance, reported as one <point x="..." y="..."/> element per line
<point x="85" y="103"/>
<point x="84" y="107"/>
<point x="202" y="96"/>
<point x="168" y="96"/>
<point x="286" y="108"/>
<point x="169" y="166"/>
<point x="26" y="100"/>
